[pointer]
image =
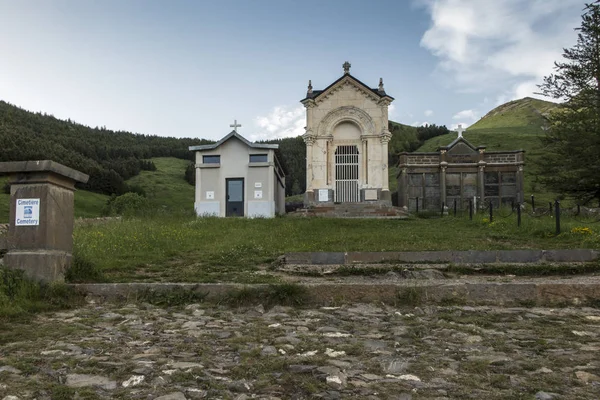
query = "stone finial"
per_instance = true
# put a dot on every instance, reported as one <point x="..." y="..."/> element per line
<point x="346" y="67"/>
<point x="309" y="86"/>
<point x="381" y="84"/>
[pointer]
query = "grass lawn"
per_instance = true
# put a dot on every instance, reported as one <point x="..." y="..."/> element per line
<point x="166" y="187"/>
<point x="217" y="249"/>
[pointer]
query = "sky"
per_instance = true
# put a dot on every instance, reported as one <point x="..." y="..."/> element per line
<point x="188" y="68"/>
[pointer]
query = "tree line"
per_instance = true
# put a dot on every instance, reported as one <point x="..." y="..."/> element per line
<point x="108" y="157"/>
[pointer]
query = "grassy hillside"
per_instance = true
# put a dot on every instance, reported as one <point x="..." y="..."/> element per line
<point x="527" y="112"/>
<point x="166" y="187"/>
<point x="516" y="125"/>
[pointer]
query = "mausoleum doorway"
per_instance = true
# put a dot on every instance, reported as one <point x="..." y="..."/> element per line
<point x="347" y="174"/>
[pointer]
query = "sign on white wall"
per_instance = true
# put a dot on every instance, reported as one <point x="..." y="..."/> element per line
<point x="28" y="212"/>
<point x="258" y="194"/>
<point x="210" y="195"/>
<point x="257" y="184"/>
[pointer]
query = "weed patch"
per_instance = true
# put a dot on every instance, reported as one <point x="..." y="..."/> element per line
<point x="410" y="296"/>
<point x="20" y="296"/>
<point x="284" y="295"/>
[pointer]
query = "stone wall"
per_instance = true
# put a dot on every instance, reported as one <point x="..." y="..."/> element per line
<point x="502" y="158"/>
<point x="423" y="159"/>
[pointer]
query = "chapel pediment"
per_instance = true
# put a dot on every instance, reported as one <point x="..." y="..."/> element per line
<point x="346" y="80"/>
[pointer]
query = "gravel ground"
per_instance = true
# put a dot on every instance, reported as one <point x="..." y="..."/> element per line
<point x="362" y="351"/>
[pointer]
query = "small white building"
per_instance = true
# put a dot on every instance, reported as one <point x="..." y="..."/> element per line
<point x="235" y="177"/>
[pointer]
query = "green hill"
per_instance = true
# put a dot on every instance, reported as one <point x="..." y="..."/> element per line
<point x="166" y="188"/>
<point x="516" y="125"/>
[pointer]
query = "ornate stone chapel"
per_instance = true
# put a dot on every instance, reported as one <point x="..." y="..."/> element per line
<point x="347" y="143"/>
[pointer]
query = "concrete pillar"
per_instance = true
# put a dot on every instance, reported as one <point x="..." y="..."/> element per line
<point x="40" y="234"/>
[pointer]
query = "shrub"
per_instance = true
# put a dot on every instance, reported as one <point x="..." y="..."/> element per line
<point x="20" y="295"/>
<point x="6" y="188"/>
<point x="82" y="270"/>
<point x="128" y="204"/>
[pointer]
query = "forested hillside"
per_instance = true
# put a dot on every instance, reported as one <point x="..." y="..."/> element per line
<point x="109" y="157"/>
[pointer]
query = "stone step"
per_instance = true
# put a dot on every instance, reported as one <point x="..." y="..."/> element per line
<point x="352" y="210"/>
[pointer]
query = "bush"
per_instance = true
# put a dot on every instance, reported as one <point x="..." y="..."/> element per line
<point x="136" y="189"/>
<point x="128" y="204"/>
<point x="20" y="296"/>
<point x="6" y="188"/>
<point x="82" y="270"/>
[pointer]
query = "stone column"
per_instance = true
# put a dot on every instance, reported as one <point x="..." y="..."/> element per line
<point x="403" y="189"/>
<point x="481" y="181"/>
<point x="520" y="185"/>
<point x="385" y="188"/>
<point x="309" y="139"/>
<point x="443" y="168"/>
<point x="40" y="235"/>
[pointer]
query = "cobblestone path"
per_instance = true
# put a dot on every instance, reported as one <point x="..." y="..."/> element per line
<point x="361" y="351"/>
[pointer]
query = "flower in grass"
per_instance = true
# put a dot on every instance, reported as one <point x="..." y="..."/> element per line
<point x="582" y="230"/>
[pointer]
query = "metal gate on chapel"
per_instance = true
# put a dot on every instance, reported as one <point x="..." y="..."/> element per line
<point x="346" y="174"/>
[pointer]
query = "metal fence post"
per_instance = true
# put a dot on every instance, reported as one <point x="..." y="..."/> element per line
<point x="471" y="209"/>
<point x="518" y="214"/>
<point x="533" y="203"/>
<point x="443" y="205"/>
<point x="417" y="205"/>
<point x="455" y="207"/>
<point x="550" y="207"/>
<point x="491" y="211"/>
<point x="557" y="215"/>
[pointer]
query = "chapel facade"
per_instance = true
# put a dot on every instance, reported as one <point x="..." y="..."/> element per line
<point x="347" y="143"/>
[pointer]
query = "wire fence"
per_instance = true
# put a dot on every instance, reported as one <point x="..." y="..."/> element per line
<point x="555" y="210"/>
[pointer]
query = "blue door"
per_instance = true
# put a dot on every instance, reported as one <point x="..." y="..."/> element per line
<point x="235" y="197"/>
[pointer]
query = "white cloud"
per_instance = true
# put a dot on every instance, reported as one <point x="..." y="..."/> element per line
<point x="428" y="113"/>
<point x="417" y="123"/>
<point x="283" y="121"/>
<point x="466" y="115"/>
<point x="502" y="46"/>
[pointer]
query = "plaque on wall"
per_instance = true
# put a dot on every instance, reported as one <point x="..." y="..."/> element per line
<point x="323" y="195"/>
<point x="370" y="194"/>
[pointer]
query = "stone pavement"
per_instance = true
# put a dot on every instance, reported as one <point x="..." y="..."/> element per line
<point x="362" y="351"/>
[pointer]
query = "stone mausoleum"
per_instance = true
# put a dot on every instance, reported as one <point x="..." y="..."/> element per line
<point x="458" y="173"/>
<point x="347" y="143"/>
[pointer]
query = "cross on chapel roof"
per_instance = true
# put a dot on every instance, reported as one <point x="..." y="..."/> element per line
<point x="235" y="125"/>
<point x="460" y="130"/>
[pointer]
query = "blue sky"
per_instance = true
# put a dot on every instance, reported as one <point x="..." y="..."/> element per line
<point x="189" y="68"/>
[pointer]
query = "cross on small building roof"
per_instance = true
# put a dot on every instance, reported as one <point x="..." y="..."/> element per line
<point x="460" y="130"/>
<point x="235" y="125"/>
